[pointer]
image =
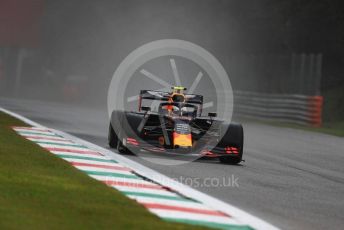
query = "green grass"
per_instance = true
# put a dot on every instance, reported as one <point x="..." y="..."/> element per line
<point x="41" y="191"/>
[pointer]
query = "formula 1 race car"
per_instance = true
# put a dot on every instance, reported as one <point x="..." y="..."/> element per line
<point x="177" y="126"/>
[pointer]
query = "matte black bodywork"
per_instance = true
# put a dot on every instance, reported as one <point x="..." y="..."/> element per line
<point x="143" y="129"/>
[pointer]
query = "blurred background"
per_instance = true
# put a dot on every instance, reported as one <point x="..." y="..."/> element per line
<point x="285" y="58"/>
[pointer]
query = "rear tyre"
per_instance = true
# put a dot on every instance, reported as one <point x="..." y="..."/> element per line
<point x="112" y="137"/>
<point x="122" y="149"/>
<point x="233" y="137"/>
<point x="230" y="160"/>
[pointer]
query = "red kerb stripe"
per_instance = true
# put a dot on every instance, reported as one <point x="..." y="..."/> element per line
<point x="74" y="151"/>
<point x="135" y="185"/>
<point x="31" y="129"/>
<point x="101" y="166"/>
<point x="46" y="138"/>
<point x="183" y="209"/>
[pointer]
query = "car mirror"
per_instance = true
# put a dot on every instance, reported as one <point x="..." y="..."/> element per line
<point x="144" y="108"/>
<point x="212" y="114"/>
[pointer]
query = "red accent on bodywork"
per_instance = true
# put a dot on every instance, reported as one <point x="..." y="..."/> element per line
<point x="140" y="103"/>
<point x="231" y="150"/>
<point x="208" y="153"/>
<point x="132" y="141"/>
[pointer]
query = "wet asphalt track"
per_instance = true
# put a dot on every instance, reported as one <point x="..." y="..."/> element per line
<point x="293" y="179"/>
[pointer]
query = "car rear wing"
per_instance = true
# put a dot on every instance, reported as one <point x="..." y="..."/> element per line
<point x="164" y="96"/>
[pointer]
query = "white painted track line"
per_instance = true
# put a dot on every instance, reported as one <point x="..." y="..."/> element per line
<point x="214" y="203"/>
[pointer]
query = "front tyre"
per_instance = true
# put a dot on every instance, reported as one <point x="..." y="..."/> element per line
<point x="112" y="137"/>
<point x="234" y="137"/>
<point x="230" y="160"/>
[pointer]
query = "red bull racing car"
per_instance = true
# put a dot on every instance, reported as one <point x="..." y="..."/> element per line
<point x="177" y="127"/>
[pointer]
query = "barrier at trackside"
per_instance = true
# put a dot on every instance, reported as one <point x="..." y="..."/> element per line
<point x="292" y="108"/>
